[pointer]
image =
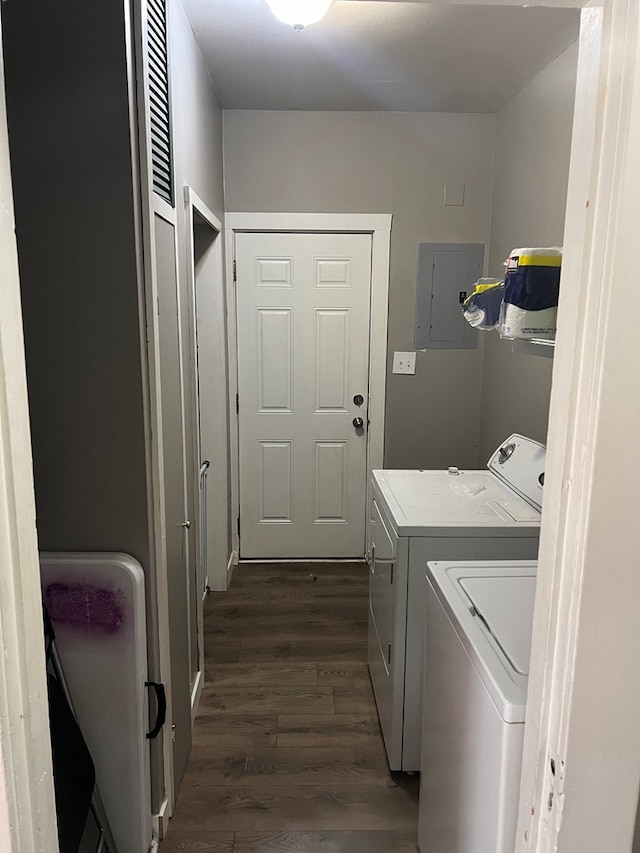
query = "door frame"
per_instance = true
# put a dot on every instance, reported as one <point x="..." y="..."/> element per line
<point x="378" y="225"/>
<point x="27" y="802"/>
<point x="217" y="573"/>
<point x="565" y="585"/>
<point x="581" y="763"/>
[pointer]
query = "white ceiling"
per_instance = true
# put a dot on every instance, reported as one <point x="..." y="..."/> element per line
<point x="369" y="55"/>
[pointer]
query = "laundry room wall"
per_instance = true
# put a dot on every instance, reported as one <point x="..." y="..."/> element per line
<point x="384" y="162"/>
<point x="196" y="116"/>
<point x="68" y="93"/>
<point x="69" y="85"/>
<point x="533" y="141"/>
<point x="68" y="100"/>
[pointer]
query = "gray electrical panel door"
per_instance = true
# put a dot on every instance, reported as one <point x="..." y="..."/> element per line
<point x="446" y="275"/>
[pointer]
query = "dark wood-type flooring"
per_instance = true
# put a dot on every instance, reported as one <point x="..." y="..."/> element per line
<point x="287" y="752"/>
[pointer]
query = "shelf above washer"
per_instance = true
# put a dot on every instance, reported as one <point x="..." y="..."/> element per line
<point x="535" y="346"/>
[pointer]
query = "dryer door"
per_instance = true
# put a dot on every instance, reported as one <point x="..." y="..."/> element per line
<point x="381" y="571"/>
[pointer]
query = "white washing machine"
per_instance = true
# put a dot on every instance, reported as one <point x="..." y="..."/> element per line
<point x="417" y="516"/>
<point x="478" y="644"/>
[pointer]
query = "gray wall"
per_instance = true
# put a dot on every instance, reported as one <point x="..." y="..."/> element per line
<point x="197" y="135"/>
<point x="68" y="106"/>
<point x="71" y="158"/>
<point x="533" y="139"/>
<point x="384" y="163"/>
<point x="197" y="118"/>
<point x="71" y="165"/>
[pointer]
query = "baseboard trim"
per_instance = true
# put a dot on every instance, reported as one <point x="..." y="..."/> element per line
<point x="231" y="564"/>
<point x="195" y="696"/>
<point x="160" y="824"/>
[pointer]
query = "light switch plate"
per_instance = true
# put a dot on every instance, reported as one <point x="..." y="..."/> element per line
<point x="404" y="362"/>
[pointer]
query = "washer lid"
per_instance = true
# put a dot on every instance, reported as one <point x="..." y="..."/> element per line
<point x="505" y="606"/>
<point x="453" y="503"/>
<point x="490" y="606"/>
<point x="519" y="463"/>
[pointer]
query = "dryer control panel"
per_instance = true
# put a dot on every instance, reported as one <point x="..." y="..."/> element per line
<point x="519" y="463"/>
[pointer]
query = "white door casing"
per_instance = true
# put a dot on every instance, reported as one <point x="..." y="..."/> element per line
<point x="379" y="227"/>
<point x="584" y="685"/>
<point x="27" y="806"/>
<point x="208" y="356"/>
<point x="303" y="353"/>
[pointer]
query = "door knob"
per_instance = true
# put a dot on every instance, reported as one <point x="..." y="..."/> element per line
<point x="186" y="524"/>
<point x="358" y="423"/>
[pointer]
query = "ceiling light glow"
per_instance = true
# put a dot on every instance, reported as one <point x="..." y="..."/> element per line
<point x="299" y="13"/>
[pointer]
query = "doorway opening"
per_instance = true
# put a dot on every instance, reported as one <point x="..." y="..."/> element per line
<point x="327" y="273"/>
<point x="208" y="358"/>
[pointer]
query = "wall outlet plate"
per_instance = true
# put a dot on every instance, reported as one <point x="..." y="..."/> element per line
<point x="404" y="362"/>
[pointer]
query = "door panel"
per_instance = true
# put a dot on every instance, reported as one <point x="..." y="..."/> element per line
<point x="331" y="481"/>
<point x="174" y="494"/>
<point x="332" y="347"/>
<point x="276" y="488"/>
<point x="274" y="358"/>
<point x="303" y="303"/>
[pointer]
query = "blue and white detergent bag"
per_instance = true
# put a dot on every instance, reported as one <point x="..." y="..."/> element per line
<point x="482" y="308"/>
<point x="531" y="289"/>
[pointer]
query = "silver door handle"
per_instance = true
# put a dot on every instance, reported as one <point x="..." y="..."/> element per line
<point x="186" y="524"/>
<point x="358" y="423"/>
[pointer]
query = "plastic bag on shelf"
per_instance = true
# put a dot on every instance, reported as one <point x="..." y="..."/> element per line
<point x="482" y="308"/>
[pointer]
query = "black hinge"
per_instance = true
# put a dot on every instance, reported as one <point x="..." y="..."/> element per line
<point x="238" y="525"/>
<point x="235" y="271"/>
<point x="237" y="404"/>
<point x="389" y="654"/>
<point x="161" y="704"/>
<point x="391" y="573"/>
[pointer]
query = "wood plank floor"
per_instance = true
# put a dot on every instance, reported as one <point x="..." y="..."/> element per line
<point x="287" y="753"/>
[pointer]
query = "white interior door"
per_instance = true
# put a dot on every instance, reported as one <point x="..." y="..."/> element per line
<point x="303" y="305"/>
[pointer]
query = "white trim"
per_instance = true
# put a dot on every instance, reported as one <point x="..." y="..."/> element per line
<point x="218" y="485"/>
<point x="196" y="693"/>
<point x="232" y="368"/>
<point x="190" y="199"/>
<point x="536" y="773"/>
<point x="194" y="204"/>
<point x="161" y="822"/>
<point x="231" y="564"/>
<point x="584" y="686"/>
<point x="379" y="226"/>
<point x="348" y="223"/>
<point x="27" y="806"/>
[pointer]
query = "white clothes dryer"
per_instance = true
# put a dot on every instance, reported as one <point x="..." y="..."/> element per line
<point x="417" y="516"/>
<point x="478" y="644"/>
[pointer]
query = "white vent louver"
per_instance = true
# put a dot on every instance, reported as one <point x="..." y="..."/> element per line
<point x="160" y="121"/>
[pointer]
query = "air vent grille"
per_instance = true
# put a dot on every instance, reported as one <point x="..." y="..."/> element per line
<point x="160" y="115"/>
